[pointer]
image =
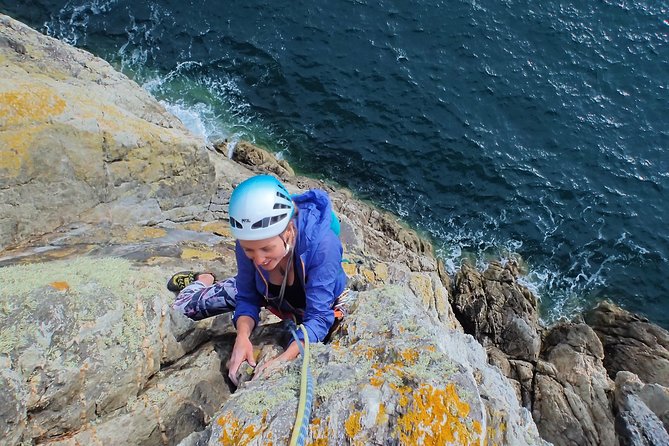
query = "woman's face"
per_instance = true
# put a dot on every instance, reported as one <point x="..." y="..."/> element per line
<point x="266" y="253"/>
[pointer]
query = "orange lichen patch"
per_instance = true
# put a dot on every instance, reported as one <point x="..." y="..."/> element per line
<point x="437" y="416"/>
<point x="144" y="233"/>
<point x="405" y="393"/>
<point x="234" y="432"/>
<point x="409" y="356"/>
<point x="30" y="104"/>
<point x="376" y="381"/>
<point x="60" y="286"/>
<point x="371" y="353"/>
<point x="382" y="416"/>
<point x="381" y="371"/>
<point x="319" y="436"/>
<point x="493" y="435"/>
<point x="353" y="426"/>
<point x="202" y="254"/>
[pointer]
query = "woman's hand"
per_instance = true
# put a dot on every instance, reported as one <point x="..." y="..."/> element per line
<point x="243" y="349"/>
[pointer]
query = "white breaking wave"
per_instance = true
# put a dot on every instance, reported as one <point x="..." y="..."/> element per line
<point x="71" y="23"/>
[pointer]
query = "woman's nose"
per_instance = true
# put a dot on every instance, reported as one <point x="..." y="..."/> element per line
<point x="259" y="260"/>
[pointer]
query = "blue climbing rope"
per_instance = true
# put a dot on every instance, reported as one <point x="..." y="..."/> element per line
<point x="301" y="427"/>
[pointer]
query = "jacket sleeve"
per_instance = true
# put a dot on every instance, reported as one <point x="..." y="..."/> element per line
<point x="248" y="299"/>
<point x="322" y="271"/>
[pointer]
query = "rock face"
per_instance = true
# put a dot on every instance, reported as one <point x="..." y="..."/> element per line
<point x="75" y="133"/>
<point x="571" y="401"/>
<point x="562" y="374"/>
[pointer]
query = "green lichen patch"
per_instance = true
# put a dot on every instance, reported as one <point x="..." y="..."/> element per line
<point x="78" y="306"/>
<point x="255" y="403"/>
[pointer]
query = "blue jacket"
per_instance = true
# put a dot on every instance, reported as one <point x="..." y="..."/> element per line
<point x="319" y="269"/>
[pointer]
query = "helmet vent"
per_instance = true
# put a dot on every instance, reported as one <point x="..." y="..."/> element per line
<point x="281" y="206"/>
<point x="235" y="223"/>
<point x="279" y="194"/>
<point x="268" y="221"/>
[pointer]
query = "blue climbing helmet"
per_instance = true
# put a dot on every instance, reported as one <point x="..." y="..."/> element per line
<point x="260" y="208"/>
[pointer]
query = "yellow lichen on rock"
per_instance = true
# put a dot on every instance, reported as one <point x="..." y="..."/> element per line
<point x="369" y="275"/>
<point x="382" y="416"/>
<point x="319" y="435"/>
<point x="221" y="228"/>
<point x="14" y="149"/>
<point x="145" y="233"/>
<point x="28" y="104"/>
<point x="202" y="254"/>
<point x="353" y="426"/>
<point x="421" y="285"/>
<point x="437" y="416"/>
<point x="350" y="268"/>
<point x="234" y="432"/>
<point x="381" y="271"/>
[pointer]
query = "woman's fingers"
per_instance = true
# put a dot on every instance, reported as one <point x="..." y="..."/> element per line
<point x="242" y="351"/>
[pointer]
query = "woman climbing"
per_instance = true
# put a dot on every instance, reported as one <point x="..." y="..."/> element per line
<point x="288" y="259"/>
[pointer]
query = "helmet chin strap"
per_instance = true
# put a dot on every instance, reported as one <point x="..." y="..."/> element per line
<point x="289" y="249"/>
<point x="285" y="276"/>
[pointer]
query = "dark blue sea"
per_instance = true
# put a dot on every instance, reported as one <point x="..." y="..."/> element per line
<point x="537" y="129"/>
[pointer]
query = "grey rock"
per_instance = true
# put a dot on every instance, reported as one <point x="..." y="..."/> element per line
<point x="408" y="380"/>
<point x="496" y="310"/>
<point x="13" y="411"/>
<point x="571" y="402"/>
<point x="639" y="407"/>
<point x="72" y="152"/>
<point x="631" y="343"/>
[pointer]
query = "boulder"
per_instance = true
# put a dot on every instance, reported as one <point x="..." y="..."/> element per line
<point x="572" y="389"/>
<point x="631" y="343"/>
<point x="498" y="311"/>
<point x="642" y="412"/>
<point x="250" y="155"/>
